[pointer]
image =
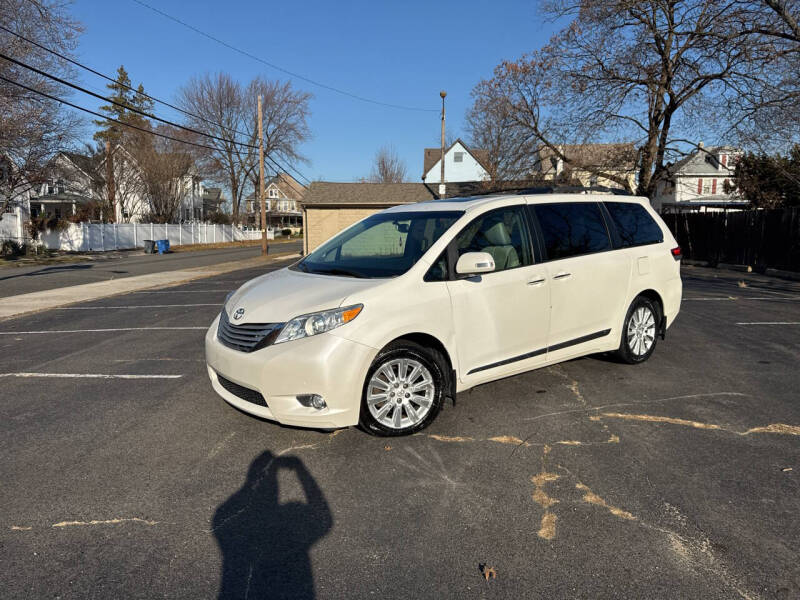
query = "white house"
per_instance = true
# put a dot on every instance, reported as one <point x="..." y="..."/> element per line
<point x="461" y="163"/>
<point x="697" y="181"/>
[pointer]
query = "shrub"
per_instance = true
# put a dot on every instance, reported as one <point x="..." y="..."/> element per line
<point x="286" y="231"/>
<point x="12" y="248"/>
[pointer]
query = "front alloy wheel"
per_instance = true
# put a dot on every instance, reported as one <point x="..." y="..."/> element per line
<point x="403" y="391"/>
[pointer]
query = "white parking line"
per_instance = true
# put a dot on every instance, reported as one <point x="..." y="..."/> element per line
<point x="101" y="330"/>
<point x="219" y="291"/>
<point x="89" y="376"/>
<point x="134" y="306"/>
<point x="772" y="323"/>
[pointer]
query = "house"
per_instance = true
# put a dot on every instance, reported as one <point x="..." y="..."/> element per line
<point x="284" y="196"/>
<point x="584" y="162"/>
<point x="697" y="181"/>
<point x="68" y="188"/>
<point x="461" y="163"/>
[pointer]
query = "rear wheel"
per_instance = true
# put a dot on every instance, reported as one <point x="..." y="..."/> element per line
<point x="404" y="389"/>
<point x="639" y="331"/>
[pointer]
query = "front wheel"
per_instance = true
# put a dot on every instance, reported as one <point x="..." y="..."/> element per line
<point x="404" y="390"/>
<point x="639" y="331"/>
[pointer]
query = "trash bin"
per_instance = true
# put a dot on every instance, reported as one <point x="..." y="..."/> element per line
<point x="163" y="246"/>
<point x="149" y="247"/>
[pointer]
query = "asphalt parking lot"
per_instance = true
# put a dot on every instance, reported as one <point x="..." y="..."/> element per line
<point x="126" y="476"/>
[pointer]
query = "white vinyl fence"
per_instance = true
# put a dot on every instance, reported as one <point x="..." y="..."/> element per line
<point x="88" y="237"/>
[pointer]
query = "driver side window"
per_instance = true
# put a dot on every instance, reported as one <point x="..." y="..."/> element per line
<point x="503" y="233"/>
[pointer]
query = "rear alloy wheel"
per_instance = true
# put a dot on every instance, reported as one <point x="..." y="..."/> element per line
<point x="403" y="391"/>
<point x="639" y="331"/>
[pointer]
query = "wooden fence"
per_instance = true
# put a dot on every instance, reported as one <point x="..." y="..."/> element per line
<point x="759" y="238"/>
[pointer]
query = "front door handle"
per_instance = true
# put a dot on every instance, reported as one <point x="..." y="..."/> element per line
<point x="539" y="281"/>
<point x="562" y="275"/>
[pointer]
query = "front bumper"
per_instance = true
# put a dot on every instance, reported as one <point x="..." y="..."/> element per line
<point x="325" y="364"/>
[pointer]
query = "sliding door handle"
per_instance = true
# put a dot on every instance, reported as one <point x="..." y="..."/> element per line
<point x="539" y="281"/>
<point x="562" y="275"/>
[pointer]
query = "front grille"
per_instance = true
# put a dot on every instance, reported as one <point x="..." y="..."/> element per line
<point x="242" y="392"/>
<point x="247" y="336"/>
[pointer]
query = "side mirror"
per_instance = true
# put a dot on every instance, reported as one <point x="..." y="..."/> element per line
<point x="474" y="263"/>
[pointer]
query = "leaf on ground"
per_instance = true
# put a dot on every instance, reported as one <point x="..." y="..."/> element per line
<point x="742" y="284"/>
<point x="786" y="469"/>
<point x="489" y="572"/>
<point x="387" y="447"/>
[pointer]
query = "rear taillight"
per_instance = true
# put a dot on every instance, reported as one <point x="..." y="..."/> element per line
<point x="676" y="252"/>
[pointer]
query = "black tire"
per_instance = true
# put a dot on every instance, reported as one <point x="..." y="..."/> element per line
<point x="627" y="351"/>
<point x="432" y="360"/>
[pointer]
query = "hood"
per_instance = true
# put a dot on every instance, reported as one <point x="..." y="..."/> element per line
<point x="281" y="295"/>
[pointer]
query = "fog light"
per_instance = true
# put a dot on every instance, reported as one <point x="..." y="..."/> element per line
<point x="312" y="401"/>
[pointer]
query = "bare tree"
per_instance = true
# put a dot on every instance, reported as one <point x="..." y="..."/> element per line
<point x="32" y="128"/>
<point x="388" y="167"/>
<point x="227" y="110"/>
<point x="620" y="71"/>
<point x="165" y="168"/>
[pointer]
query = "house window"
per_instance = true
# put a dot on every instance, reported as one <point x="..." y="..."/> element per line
<point x="51" y="188"/>
<point x="707" y="187"/>
<point x="60" y="186"/>
<point x="273" y="193"/>
<point x="458" y="157"/>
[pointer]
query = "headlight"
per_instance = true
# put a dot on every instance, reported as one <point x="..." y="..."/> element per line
<point x="316" y="323"/>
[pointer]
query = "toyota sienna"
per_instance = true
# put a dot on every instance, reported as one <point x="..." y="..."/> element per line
<point x="406" y="308"/>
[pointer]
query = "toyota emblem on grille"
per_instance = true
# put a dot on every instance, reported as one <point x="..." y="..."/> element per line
<point x="238" y="314"/>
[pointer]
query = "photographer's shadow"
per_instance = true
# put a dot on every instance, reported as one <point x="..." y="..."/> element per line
<point x="265" y="545"/>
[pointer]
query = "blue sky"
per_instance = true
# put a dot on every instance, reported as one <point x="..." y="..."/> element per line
<point x="398" y="52"/>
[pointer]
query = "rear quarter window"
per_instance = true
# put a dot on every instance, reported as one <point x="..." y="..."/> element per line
<point x="634" y="224"/>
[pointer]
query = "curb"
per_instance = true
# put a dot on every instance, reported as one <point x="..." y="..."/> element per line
<point x="777" y="273"/>
<point x="26" y="304"/>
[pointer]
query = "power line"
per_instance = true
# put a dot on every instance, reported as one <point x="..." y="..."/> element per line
<point x="140" y="112"/>
<point x="281" y="69"/>
<point x="97" y="114"/>
<point x="128" y="87"/>
<point x="122" y="104"/>
<point x="142" y="129"/>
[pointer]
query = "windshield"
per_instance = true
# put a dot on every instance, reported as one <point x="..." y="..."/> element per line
<point x="383" y="245"/>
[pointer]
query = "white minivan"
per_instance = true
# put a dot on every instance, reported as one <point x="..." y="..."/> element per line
<point x="408" y="307"/>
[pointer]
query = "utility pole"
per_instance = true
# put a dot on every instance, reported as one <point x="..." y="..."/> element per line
<point x="261" y="181"/>
<point x="442" y="186"/>
<point x="112" y="199"/>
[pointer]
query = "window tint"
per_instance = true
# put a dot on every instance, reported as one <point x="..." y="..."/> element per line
<point x="502" y="233"/>
<point x="572" y="228"/>
<point x="634" y="224"/>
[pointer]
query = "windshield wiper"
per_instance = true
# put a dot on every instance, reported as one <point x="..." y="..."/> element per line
<point x="345" y="272"/>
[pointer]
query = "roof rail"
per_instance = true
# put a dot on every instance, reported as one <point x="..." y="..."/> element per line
<point x="573" y="189"/>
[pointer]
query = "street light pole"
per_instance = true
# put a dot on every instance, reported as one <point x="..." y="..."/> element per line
<point x="442" y="187"/>
<point x="261" y="181"/>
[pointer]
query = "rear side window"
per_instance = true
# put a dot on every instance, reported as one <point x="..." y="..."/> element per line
<point x="634" y="224"/>
<point x="572" y="229"/>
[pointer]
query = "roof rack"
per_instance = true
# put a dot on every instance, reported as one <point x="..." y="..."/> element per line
<point x="573" y="189"/>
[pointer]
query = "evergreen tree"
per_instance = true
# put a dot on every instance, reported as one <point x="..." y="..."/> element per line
<point x="123" y="94"/>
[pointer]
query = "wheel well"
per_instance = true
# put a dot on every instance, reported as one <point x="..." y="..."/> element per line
<point x="653" y="296"/>
<point x="427" y="340"/>
<point x="424" y="339"/>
